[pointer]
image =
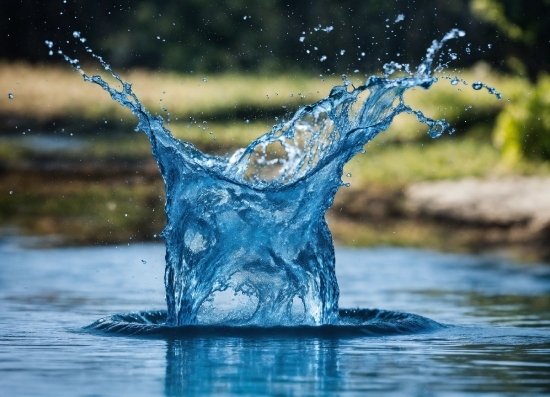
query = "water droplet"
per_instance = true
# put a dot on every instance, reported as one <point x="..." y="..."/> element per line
<point x="10" y="96"/>
<point x="143" y="261"/>
<point x="478" y="85"/>
<point x="302" y="39"/>
<point x="348" y="175"/>
<point x="125" y="214"/>
<point x="11" y="191"/>
<point x="455" y="81"/>
<point x="323" y="58"/>
<point x="205" y="79"/>
<point x="76" y="34"/>
<point x="468" y="50"/>
<point x="342" y="52"/>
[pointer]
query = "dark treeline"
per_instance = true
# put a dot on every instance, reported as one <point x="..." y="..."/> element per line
<point x="251" y="35"/>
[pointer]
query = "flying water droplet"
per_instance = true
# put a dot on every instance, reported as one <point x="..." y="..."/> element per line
<point x="478" y="85"/>
<point x="10" y="96"/>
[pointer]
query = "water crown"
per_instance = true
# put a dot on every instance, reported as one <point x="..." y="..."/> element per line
<point x="246" y="238"/>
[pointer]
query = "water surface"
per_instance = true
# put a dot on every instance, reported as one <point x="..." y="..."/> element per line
<point x="497" y="341"/>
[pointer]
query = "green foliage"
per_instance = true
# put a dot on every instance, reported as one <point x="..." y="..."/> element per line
<point x="522" y="129"/>
<point x="242" y="35"/>
<point x="525" y="23"/>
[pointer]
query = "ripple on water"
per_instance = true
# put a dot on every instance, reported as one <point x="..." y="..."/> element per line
<point x="352" y="323"/>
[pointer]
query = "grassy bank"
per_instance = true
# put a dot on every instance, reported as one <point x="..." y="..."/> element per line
<point x="45" y="93"/>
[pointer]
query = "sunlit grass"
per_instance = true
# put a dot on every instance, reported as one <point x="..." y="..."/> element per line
<point x="49" y="92"/>
<point x="444" y="158"/>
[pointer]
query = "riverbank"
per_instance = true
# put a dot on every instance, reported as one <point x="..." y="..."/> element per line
<point x="509" y="215"/>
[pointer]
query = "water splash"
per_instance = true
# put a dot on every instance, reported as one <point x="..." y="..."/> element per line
<point x="246" y="238"/>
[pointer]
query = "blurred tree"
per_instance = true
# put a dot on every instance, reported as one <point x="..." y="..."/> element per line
<point x="241" y="35"/>
<point x="522" y="129"/>
<point x="525" y="24"/>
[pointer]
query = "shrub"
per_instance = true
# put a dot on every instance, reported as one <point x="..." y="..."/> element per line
<point x="522" y="129"/>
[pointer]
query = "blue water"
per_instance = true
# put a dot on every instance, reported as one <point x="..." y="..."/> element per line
<point x="249" y="228"/>
<point x="248" y="279"/>
<point x="496" y="341"/>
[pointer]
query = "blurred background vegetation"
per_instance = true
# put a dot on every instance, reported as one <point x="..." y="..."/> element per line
<point x="223" y="72"/>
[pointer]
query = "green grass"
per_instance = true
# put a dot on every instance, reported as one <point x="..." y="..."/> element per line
<point x="406" y="163"/>
<point x="444" y="158"/>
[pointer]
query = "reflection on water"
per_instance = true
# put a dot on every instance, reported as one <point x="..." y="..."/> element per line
<point x="244" y="366"/>
<point x="457" y="361"/>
